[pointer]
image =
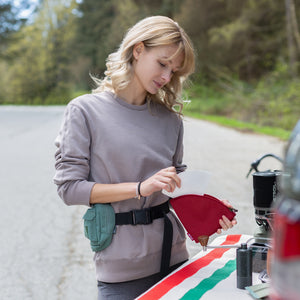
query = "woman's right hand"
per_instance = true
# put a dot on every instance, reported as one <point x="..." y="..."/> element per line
<point x="165" y="179"/>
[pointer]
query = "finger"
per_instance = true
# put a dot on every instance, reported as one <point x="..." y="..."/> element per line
<point x="177" y="180"/>
<point x="173" y="176"/>
<point x="167" y="181"/>
<point x="227" y="203"/>
<point x="222" y="224"/>
<point x="164" y="183"/>
<point x="234" y="221"/>
<point x="168" y="170"/>
<point x="173" y="184"/>
<point x="169" y="188"/>
<point x="227" y="222"/>
<point x="171" y="169"/>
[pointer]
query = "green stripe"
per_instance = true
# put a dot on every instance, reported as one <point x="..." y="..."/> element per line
<point x="209" y="283"/>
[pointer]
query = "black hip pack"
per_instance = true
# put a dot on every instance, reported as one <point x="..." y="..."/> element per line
<point x="100" y="221"/>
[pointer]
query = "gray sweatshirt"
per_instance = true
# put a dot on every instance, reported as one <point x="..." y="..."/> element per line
<point x="106" y="140"/>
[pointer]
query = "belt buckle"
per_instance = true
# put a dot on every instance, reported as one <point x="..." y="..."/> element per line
<point x="141" y="216"/>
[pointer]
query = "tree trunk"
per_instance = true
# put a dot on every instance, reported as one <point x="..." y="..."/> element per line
<point x="290" y="38"/>
<point x="295" y="25"/>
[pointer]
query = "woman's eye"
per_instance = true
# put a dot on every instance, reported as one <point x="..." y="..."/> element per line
<point x="162" y="65"/>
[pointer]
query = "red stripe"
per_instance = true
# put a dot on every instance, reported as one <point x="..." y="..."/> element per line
<point x="173" y="280"/>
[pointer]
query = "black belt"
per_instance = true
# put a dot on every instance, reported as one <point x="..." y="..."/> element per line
<point x="146" y="216"/>
<point x="142" y="216"/>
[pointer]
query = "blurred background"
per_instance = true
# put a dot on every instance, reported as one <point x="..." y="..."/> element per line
<point x="247" y="53"/>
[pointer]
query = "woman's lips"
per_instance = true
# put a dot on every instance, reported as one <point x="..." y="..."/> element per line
<point x="158" y="84"/>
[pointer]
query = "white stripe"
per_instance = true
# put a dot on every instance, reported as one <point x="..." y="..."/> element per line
<point x="191" y="282"/>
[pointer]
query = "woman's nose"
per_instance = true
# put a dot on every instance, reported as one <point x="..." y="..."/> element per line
<point x="166" y="76"/>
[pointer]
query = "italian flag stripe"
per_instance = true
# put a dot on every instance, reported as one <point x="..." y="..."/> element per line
<point x="189" y="270"/>
<point x="209" y="283"/>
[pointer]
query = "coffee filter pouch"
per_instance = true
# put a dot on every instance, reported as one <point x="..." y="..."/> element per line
<point x="192" y="182"/>
<point x="200" y="214"/>
<point x="99" y="225"/>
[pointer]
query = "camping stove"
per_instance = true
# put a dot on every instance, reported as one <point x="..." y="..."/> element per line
<point x="265" y="193"/>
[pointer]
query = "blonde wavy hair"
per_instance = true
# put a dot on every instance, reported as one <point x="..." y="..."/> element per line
<point x="153" y="32"/>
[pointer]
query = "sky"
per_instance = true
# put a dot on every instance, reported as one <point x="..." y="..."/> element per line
<point x="25" y="13"/>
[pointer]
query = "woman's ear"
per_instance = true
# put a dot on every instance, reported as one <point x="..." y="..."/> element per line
<point x="138" y="49"/>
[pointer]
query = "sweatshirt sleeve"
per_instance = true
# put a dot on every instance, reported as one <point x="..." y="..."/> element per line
<point x="177" y="159"/>
<point x="72" y="158"/>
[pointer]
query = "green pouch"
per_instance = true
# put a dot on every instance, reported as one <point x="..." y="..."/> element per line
<point x="99" y="225"/>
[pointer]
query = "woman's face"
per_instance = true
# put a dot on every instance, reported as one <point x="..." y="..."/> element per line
<point x="153" y="67"/>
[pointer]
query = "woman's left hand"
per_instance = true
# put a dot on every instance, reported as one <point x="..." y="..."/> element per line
<point x="225" y="223"/>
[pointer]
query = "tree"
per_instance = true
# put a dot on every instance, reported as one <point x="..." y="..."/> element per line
<point x="9" y="22"/>
<point x="42" y="55"/>
<point x="242" y="38"/>
<point x="93" y="27"/>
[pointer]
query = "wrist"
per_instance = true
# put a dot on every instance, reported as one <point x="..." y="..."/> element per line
<point x="138" y="190"/>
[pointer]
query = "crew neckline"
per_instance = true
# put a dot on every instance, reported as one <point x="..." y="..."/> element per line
<point x="127" y="105"/>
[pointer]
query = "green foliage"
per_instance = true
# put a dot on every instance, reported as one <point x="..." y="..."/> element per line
<point x="241" y="37"/>
<point x="41" y="57"/>
<point x="243" y="126"/>
<point x="276" y="101"/>
<point x="92" y="27"/>
<point x="273" y="102"/>
<point x="9" y="21"/>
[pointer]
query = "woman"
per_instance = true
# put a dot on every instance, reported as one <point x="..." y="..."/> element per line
<point x="123" y="145"/>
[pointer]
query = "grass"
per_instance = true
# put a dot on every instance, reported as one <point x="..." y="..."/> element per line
<point x="243" y="126"/>
<point x="265" y="109"/>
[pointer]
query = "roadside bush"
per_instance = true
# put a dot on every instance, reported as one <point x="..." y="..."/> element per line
<point x="274" y="101"/>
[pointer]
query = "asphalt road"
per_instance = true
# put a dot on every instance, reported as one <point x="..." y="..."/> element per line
<point x="43" y="253"/>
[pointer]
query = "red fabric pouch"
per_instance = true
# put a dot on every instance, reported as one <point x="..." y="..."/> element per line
<point x="200" y="214"/>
